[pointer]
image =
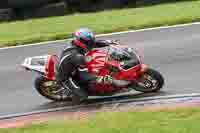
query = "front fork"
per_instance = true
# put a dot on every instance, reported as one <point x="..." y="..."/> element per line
<point x="143" y="69"/>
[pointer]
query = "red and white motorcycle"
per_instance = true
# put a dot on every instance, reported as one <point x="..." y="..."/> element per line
<point x="120" y="62"/>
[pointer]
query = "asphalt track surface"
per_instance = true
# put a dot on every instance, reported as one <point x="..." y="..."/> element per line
<point x="175" y="52"/>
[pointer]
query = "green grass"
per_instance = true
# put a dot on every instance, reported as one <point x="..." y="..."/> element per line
<point x="178" y="121"/>
<point x="21" y="32"/>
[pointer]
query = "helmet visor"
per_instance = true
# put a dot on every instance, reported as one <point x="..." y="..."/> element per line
<point x="89" y="43"/>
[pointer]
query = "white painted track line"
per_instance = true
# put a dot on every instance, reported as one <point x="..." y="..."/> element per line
<point x="109" y="34"/>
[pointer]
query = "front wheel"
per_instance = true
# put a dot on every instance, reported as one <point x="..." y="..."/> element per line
<point x="50" y="90"/>
<point x="150" y="81"/>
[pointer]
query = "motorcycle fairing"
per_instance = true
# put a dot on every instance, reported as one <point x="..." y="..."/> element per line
<point x="35" y="63"/>
<point x="42" y="64"/>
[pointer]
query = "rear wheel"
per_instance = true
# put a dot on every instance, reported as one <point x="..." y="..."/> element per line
<point x="50" y="90"/>
<point x="150" y="81"/>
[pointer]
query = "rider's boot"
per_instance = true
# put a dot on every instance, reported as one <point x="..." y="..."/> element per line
<point x="79" y="94"/>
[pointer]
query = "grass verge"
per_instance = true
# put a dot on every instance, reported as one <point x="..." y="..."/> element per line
<point x="166" y="121"/>
<point x="36" y="30"/>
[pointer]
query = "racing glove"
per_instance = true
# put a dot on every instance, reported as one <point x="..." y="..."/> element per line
<point x="115" y="42"/>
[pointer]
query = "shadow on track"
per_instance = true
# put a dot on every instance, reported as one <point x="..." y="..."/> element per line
<point x="97" y="100"/>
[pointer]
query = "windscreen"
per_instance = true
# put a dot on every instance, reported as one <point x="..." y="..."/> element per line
<point x="125" y="55"/>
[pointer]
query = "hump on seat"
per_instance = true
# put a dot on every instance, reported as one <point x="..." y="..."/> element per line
<point x="51" y="66"/>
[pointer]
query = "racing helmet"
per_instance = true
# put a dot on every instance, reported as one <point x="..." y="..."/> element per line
<point x="84" y="38"/>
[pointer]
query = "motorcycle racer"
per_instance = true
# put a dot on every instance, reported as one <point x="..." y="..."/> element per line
<point x="72" y="61"/>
